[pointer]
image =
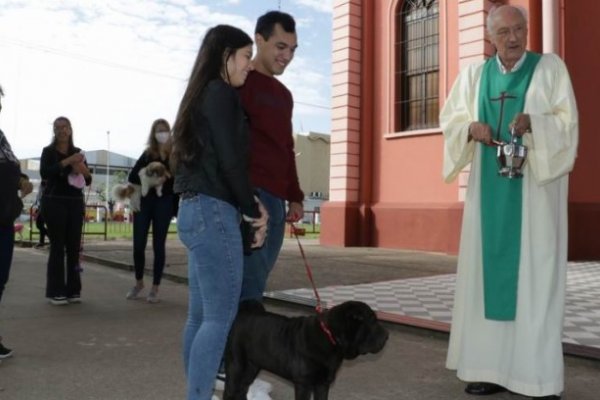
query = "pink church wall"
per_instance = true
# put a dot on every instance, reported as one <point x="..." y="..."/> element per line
<point x="386" y="186"/>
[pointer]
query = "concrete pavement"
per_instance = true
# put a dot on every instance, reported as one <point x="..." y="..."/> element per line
<point x="113" y="349"/>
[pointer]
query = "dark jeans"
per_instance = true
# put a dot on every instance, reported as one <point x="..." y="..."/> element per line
<point x="7" y="244"/>
<point x="157" y="211"/>
<point x="64" y="219"/>
<point x="259" y="263"/>
<point x="41" y="225"/>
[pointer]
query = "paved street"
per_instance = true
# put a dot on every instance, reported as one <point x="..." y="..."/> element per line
<point x="112" y="349"/>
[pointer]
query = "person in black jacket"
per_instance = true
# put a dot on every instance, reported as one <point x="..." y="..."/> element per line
<point x="65" y="171"/>
<point x="13" y="181"/>
<point x="154" y="209"/>
<point x="210" y="161"/>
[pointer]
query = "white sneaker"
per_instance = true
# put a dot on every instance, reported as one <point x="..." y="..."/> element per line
<point x="134" y="293"/>
<point x="215" y="397"/>
<point x="58" y="301"/>
<point x="260" y="386"/>
<point x="220" y="381"/>
<point x="152" y="297"/>
<point x="258" y="395"/>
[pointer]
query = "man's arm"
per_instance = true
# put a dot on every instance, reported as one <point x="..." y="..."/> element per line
<point x="295" y="194"/>
<point x="552" y="110"/>
<point x="456" y="118"/>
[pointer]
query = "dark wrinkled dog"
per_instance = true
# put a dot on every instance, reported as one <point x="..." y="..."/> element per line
<point x="297" y="348"/>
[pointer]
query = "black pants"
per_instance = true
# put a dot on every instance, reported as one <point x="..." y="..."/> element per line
<point x="41" y="225"/>
<point x="64" y="219"/>
<point x="157" y="211"/>
<point x="7" y="244"/>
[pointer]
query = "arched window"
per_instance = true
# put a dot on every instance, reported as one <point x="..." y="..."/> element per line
<point x="417" y="65"/>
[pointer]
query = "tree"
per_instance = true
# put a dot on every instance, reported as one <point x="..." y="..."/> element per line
<point x="100" y="190"/>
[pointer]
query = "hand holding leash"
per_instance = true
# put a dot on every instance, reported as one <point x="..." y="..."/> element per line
<point x="295" y="212"/>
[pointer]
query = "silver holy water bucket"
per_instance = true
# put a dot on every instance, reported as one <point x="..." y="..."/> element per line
<point x="511" y="157"/>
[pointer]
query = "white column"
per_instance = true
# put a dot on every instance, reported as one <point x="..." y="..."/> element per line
<point x="550" y="26"/>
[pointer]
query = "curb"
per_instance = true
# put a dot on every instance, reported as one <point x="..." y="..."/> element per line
<point x="129" y="267"/>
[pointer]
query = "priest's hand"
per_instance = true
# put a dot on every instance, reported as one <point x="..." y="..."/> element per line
<point x="480" y="132"/>
<point x="522" y="124"/>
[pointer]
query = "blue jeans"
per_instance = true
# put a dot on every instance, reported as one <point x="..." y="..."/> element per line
<point x="157" y="211"/>
<point x="7" y="244"/>
<point x="258" y="265"/>
<point x="210" y="230"/>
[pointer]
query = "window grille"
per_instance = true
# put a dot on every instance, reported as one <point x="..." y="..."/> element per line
<point x="417" y="65"/>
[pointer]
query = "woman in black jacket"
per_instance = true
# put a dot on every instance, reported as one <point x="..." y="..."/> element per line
<point x="153" y="209"/>
<point x="210" y="159"/>
<point x="11" y="206"/>
<point x="65" y="171"/>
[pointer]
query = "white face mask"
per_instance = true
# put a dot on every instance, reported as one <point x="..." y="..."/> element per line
<point x="162" y="137"/>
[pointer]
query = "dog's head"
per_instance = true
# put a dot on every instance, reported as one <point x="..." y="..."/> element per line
<point x="356" y="329"/>
<point x="156" y="169"/>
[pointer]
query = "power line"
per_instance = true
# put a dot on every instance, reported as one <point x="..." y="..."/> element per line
<point x="312" y="105"/>
<point x="99" y="61"/>
<point x="82" y="57"/>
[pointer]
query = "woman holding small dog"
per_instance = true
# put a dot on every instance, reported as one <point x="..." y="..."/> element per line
<point x="65" y="171"/>
<point x="156" y="208"/>
<point x="210" y="161"/>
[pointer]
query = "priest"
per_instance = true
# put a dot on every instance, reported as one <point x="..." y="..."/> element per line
<point x="510" y="287"/>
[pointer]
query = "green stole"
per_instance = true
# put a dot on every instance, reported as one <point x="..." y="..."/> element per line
<point x="501" y="198"/>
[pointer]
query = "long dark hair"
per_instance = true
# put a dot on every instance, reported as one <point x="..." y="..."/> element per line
<point x="53" y="143"/>
<point x="152" y="146"/>
<point x="220" y="43"/>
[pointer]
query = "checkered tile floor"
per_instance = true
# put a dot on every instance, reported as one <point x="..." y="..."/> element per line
<point x="431" y="299"/>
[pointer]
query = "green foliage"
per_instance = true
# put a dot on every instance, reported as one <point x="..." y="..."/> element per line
<point x="100" y="190"/>
<point x="119" y="177"/>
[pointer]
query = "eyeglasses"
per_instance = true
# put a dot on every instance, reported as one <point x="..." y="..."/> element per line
<point x="518" y="31"/>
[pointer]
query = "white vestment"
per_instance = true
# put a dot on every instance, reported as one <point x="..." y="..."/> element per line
<point x="524" y="355"/>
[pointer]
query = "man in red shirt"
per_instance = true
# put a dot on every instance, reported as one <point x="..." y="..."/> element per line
<point x="268" y="105"/>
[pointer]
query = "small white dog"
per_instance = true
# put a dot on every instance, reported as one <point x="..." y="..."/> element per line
<point x="152" y="175"/>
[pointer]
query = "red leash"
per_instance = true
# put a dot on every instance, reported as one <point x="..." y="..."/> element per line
<point x="318" y="307"/>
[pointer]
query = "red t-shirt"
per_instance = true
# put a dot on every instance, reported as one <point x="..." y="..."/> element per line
<point x="268" y="105"/>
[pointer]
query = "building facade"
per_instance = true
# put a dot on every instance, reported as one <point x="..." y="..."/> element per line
<point x="312" y="163"/>
<point x="394" y="63"/>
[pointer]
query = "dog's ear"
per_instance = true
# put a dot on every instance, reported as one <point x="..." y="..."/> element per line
<point x="343" y="322"/>
<point x="352" y="323"/>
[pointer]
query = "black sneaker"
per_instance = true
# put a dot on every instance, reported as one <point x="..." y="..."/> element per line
<point x="74" y="299"/>
<point x="4" y="352"/>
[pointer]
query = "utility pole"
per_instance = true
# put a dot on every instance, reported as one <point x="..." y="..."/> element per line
<point x="107" y="170"/>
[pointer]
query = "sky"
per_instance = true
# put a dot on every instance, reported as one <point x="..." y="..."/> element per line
<point x="117" y="65"/>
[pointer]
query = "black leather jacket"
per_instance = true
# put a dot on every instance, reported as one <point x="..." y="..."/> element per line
<point x="221" y="170"/>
